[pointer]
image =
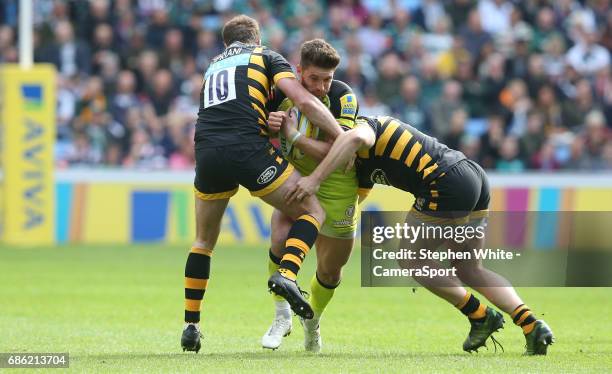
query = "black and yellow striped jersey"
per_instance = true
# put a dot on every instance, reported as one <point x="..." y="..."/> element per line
<point x="233" y="100"/>
<point x="402" y="156"/>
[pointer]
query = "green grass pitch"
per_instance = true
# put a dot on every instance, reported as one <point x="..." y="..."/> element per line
<point x="119" y="309"/>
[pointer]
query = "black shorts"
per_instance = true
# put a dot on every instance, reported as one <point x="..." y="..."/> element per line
<point x="463" y="191"/>
<point x="257" y="166"/>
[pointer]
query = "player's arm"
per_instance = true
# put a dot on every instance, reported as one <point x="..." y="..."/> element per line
<point x="342" y="151"/>
<point x="362" y="137"/>
<point x="275" y="115"/>
<point x="310" y="106"/>
<point x="317" y="149"/>
<point x="344" y="107"/>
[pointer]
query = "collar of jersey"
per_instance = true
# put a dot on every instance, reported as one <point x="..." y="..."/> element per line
<point x="241" y="44"/>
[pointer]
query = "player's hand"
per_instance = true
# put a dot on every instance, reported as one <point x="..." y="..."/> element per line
<point x="289" y="126"/>
<point x="275" y="120"/>
<point x="304" y="187"/>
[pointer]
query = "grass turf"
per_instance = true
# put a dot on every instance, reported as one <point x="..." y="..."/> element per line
<point x="119" y="308"/>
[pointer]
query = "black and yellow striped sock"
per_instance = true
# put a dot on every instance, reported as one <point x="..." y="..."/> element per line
<point x="197" y="272"/>
<point x="301" y="237"/>
<point x="472" y="307"/>
<point x="523" y="317"/>
<point x="273" y="265"/>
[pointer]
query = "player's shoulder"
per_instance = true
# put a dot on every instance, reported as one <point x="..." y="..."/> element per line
<point x="343" y="102"/>
<point x="271" y="54"/>
<point x="339" y="88"/>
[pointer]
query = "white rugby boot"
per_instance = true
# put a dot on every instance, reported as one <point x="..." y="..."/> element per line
<point x="281" y="326"/>
<point x="312" y="334"/>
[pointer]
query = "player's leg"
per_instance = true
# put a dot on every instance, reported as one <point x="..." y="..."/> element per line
<point x="484" y="321"/>
<point x="282" y="323"/>
<point x="498" y="289"/>
<point x="307" y="215"/>
<point x="267" y="175"/>
<point x="471" y="272"/>
<point x="332" y="255"/>
<point x="334" y="246"/>
<point x="197" y="267"/>
<point x="500" y="293"/>
<point x="213" y="189"/>
<point x="489" y="284"/>
<point x="448" y="288"/>
<point x="454" y="196"/>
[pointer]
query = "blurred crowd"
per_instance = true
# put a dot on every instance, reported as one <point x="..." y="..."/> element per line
<point x="515" y="85"/>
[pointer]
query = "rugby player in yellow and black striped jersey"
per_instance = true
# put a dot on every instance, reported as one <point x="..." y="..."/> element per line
<point x="232" y="148"/>
<point x="448" y="188"/>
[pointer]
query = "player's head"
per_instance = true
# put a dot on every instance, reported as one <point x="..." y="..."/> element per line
<point x="318" y="62"/>
<point x="242" y="29"/>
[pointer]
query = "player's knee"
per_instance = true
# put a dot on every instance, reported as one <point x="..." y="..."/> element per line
<point x="329" y="277"/>
<point x="280" y="228"/>
<point x="313" y="207"/>
<point x="277" y="241"/>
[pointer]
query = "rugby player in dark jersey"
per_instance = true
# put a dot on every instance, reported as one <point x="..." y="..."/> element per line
<point x="447" y="187"/>
<point x="232" y="148"/>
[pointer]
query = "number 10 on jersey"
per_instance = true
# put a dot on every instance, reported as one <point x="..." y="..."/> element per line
<point x="220" y="87"/>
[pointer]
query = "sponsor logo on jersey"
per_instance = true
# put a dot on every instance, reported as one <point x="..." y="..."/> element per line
<point x="379" y="177"/>
<point x="343" y="223"/>
<point x="348" y="103"/>
<point x="267" y="175"/>
<point x="229" y="52"/>
<point x="418" y="203"/>
<point x="350" y="211"/>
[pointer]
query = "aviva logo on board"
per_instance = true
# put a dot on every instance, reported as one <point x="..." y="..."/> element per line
<point x="32" y="95"/>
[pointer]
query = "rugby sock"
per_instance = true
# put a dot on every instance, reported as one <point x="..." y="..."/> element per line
<point x="273" y="265"/>
<point x="523" y="317"/>
<point x="197" y="271"/>
<point x="320" y="294"/>
<point x="471" y="307"/>
<point x="301" y="237"/>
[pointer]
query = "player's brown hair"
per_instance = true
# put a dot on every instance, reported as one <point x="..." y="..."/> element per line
<point x="319" y="53"/>
<point x="242" y="29"/>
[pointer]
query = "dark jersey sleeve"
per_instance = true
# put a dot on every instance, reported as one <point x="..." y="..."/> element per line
<point x="278" y="67"/>
<point x="343" y="104"/>
<point x="276" y="98"/>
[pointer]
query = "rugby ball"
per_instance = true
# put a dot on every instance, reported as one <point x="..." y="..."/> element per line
<point x="303" y="126"/>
